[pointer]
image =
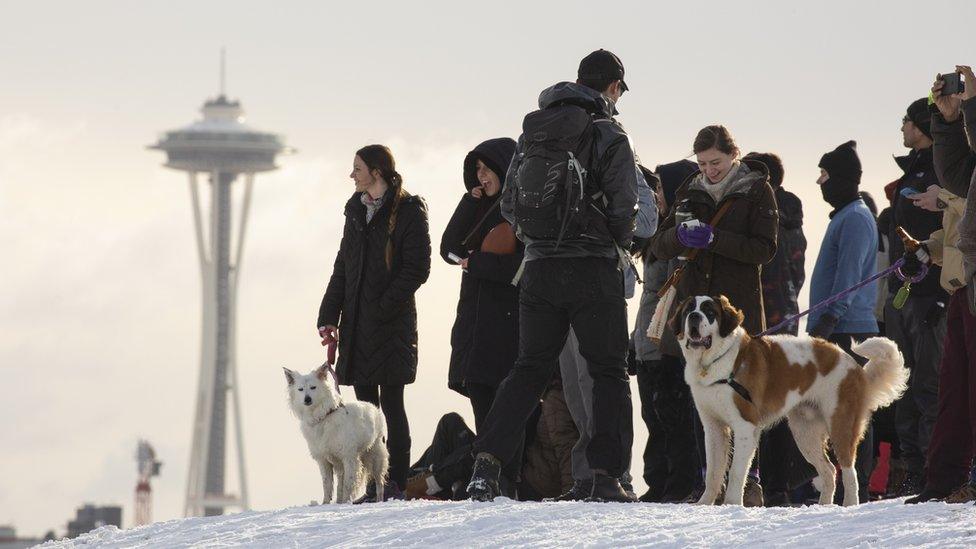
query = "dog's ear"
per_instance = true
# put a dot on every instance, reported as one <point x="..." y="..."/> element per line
<point x="289" y="375"/>
<point x="676" y="322"/>
<point x="730" y="318"/>
<point x="322" y="372"/>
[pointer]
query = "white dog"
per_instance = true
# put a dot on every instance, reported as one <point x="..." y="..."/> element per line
<point x="344" y="438"/>
<point x="748" y="384"/>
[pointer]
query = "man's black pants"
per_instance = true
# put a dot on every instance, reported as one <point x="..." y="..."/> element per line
<point x="586" y="293"/>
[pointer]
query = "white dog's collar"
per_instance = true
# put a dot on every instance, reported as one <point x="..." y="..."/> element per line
<point x="327" y="414"/>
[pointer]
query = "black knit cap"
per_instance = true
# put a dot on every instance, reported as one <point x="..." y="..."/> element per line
<point x="602" y="65"/>
<point x="918" y="112"/>
<point x="843" y="163"/>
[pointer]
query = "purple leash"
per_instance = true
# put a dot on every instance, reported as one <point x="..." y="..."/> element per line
<point x="896" y="267"/>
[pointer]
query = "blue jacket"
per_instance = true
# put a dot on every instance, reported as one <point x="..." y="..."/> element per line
<point x="847" y="256"/>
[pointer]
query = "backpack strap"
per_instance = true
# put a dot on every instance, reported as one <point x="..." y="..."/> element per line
<point x="572" y="165"/>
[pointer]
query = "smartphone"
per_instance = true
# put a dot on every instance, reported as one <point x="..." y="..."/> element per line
<point x="952" y="84"/>
<point x="908" y="191"/>
<point x="453" y="257"/>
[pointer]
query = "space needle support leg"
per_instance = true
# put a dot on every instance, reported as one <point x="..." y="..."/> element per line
<point x="235" y="395"/>
<point x="197" y="222"/>
<point x="198" y="451"/>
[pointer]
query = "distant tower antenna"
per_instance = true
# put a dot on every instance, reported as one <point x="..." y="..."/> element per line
<point x="223" y="71"/>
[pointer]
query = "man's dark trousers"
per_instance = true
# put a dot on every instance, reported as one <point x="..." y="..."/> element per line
<point x="586" y="293"/>
<point x="952" y="448"/>
<point x="919" y="329"/>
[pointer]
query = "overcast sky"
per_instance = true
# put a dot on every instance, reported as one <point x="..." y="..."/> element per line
<point x="99" y="284"/>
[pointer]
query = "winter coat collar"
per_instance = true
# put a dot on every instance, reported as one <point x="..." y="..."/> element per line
<point x="915" y="161"/>
<point x="571" y="93"/>
<point x="355" y="206"/>
<point x="790" y="209"/>
<point x="746" y="176"/>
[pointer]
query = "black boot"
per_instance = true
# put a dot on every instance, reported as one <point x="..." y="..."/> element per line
<point x="484" y="479"/>
<point x="607" y="488"/>
<point x="776" y="499"/>
<point x="928" y="494"/>
<point x="912" y="484"/>
<point x="581" y="490"/>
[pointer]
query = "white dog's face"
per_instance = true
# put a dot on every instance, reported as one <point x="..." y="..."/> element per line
<point x="306" y="390"/>
<point x="700" y="319"/>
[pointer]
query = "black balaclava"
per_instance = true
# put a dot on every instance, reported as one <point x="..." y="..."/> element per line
<point x="844" y="176"/>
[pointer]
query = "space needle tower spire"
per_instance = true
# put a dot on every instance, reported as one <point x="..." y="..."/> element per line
<point x="215" y="152"/>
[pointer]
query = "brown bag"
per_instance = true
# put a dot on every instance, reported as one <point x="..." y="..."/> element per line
<point x="500" y="240"/>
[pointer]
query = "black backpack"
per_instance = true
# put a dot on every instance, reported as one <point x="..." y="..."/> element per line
<point x="552" y="199"/>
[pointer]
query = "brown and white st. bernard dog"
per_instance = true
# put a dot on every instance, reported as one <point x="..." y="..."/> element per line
<point x="747" y="384"/>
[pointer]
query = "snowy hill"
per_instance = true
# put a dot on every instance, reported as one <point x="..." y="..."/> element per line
<point x="509" y="524"/>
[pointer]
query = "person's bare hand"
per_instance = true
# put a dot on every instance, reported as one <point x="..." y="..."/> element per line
<point x="929" y="200"/>
<point x="949" y="105"/>
<point x="464" y="263"/>
<point x="967" y="73"/>
<point x="478" y="192"/>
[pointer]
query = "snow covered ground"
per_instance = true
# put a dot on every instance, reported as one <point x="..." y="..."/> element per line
<point x="509" y="524"/>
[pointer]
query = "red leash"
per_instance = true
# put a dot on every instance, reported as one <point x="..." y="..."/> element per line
<point x="330" y="362"/>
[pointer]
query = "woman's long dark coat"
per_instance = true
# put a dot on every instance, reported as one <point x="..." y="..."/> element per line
<point x="373" y="305"/>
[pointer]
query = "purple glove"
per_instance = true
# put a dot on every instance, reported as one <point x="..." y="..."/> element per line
<point x="695" y="234"/>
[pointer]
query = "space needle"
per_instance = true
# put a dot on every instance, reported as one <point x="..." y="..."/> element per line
<point x="218" y="149"/>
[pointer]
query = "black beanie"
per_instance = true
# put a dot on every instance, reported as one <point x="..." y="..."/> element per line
<point x="919" y="114"/>
<point x="843" y="163"/>
<point x="843" y="169"/>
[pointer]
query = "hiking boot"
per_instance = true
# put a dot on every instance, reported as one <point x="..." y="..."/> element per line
<point x="752" y="496"/>
<point x="581" y="490"/>
<point x="651" y="496"/>
<point x="913" y="484"/>
<point x="928" y="494"/>
<point x="680" y="497"/>
<point x="390" y="491"/>
<point x="484" y="479"/>
<point x="777" y="499"/>
<point x="964" y="494"/>
<point x="607" y="488"/>
<point x="627" y="486"/>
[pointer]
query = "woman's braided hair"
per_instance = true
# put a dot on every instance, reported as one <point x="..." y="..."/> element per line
<point x="379" y="157"/>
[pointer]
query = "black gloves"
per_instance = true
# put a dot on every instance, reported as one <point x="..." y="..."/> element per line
<point x="824" y="327"/>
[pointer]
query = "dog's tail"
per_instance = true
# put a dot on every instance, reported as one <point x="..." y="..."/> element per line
<point x="887" y="377"/>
